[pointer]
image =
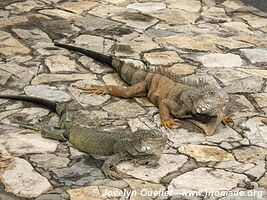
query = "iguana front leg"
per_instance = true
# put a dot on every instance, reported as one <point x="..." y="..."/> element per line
<point x="138" y="89"/>
<point x="167" y="108"/>
<point x="109" y="169"/>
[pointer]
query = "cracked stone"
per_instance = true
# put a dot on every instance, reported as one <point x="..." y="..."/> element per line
<point x="206" y="179"/>
<point x="215" y="14"/>
<point x="203" y="42"/>
<point x="251" y="85"/>
<point x="58" y="13"/>
<point x="48" y="48"/>
<point x="248" y="194"/>
<point x="23" y="181"/>
<point x="32" y="114"/>
<point x="32" y="34"/>
<point x="238" y="26"/>
<point x="255" y="55"/>
<point x="141" y="186"/>
<point x="60" y="63"/>
<point x="254" y="21"/>
<point x="235" y="166"/>
<point x="136" y="20"/>
<point x="134" y="47"/>
<point x="147" y="7"/>
<point x="181" y="69"/>
<point x="21" y="59"/>
<point x="162" y="58"/>
<point x="95" y="193"/>
<point x="113" y="79"/>
<point x="96" y="43"/>
<point x="5" y="114"/>
<point x="13" y="20"/>
<point x="243" y="154"/>
<point x="78" y="7"/>
<point x="106" y="11"/>
<point x="4" y="76"/>
<point x="48" y="92"/>
<point x="193" y="6"/>
<point x="205" y="153"/>
<point x="224" y="133"/>
<point x="176" y="16"/>
<point x="255" y="132"/>
<point x="49" y="161"/>
<point x="255" y="71"/>
<point x="233" y="4"/>
<point x="167" y="164"/>
<point x="220" y="60"/>
<point x="22" y="75"/>
<point x="137" y="124"/>
<point x="49" y="197"/>
<point x="91" y="23"/>
<point x="94" y="66"/>
<point x="257" y="171"/>
<point x="28" y="142"/>
<point x="182" y="136"/>
<point x="112" y="183"/>
<point x="10" y="46"/>
<point x="263" y="181"/>
<point x="260" y="99"/>
<point x="124" y="108"/>
<point x="226" y="76"/>
<point x="4" y="14"/>
<point x="21" y="7"/>
<point x="82" y="172"/>
<point x="52" y="78"/>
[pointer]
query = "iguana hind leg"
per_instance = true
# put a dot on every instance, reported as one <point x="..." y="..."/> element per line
<point x="138" y="89"/>
<point x="46" y="131"/>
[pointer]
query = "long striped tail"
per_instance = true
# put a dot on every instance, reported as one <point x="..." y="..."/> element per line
<point x="92" y="54"/>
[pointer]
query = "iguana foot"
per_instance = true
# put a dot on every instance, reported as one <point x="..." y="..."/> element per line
<point x="228" y="121"/>
<point x="171" y="123"/>
<point x="111" y="173"/>
<point x="94" y="89"/>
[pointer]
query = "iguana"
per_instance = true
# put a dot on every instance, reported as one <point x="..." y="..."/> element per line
<point x="142" y="146"/>
<point x="202" y="104"/>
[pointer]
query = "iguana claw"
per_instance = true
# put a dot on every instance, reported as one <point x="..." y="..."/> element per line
<point x="228" y="121"/>
<point x="94" y="89"/>
<point x="110" y="173"/>
<point x="170" y="123"/>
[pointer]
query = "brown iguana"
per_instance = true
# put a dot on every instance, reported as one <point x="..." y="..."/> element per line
<point x="202" y="104"/>
<point x="144" y="147"/>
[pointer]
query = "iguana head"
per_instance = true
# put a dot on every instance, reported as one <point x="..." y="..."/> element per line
<point x="205" y="100"/>
<point x="144" y="143"/>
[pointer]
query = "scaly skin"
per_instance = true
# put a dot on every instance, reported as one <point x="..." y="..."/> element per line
<point x="140" y="146"/>
<point x="203" y="105"/>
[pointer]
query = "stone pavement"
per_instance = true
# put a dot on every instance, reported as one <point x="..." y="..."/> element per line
<point x="222" y="41"/>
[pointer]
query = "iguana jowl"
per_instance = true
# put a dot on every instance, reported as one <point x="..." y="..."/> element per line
<point x="142" y="146"/>
<point x="173" y="98"/>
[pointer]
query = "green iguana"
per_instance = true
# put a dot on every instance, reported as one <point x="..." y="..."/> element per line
<point x="144" y="147"/>
<point x="202" y="104"/>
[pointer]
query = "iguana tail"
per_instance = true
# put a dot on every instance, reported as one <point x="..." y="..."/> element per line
<point x="131" y="72"/>
<point x="44" y="102"/>
<point x="92" y="54"/>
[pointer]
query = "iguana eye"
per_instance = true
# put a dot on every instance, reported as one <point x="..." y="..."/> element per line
<point x="145" y="148"/>
<point x="211" y="92"/>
